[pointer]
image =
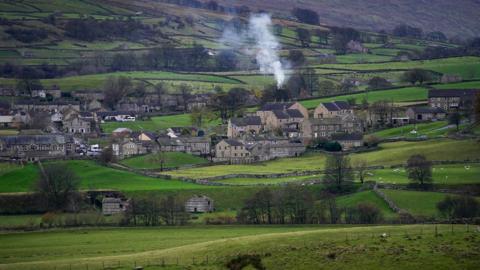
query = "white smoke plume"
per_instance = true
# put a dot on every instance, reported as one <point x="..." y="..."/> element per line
<point x="261" y="43"/>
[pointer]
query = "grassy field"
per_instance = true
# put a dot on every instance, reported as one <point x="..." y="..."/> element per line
<point x="442" y="174"/>
<point x="155" y="123"/>
<point x="92" y="176"/>
<point x="388" y="154"/>
<point x="366" y="197"/>
<point x="416" y="202"/>
<point x="172" y="160"/>
<point x="266" y="181"/>
<point x="396" y="95"/>
<point x="432" y="129"/>
<point x="292" y="247"/>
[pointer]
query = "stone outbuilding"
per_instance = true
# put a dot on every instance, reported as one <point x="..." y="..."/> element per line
<point x="112" y="206"/>
<point x="199" y="204"/>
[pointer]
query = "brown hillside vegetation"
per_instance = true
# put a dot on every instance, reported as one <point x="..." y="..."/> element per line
<point x="458" y="17"/>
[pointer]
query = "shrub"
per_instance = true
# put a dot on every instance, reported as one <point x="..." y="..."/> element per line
<point x="459" y="207"/>
<point x="48" y="219"/>
<point x="242" y="261"/>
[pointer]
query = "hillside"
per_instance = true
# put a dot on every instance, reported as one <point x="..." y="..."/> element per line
<point x="451" y="17"/>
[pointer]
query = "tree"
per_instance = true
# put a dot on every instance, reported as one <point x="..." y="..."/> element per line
<point x="306" y="16"/>
<point x="296" y="57"/>
<point x="322" y="36"/>
<point x="326" y="88"/>
<point x="57" y="184"/>
<point x="459" y="207"/>
<point x="378" y="83"/>
<point x="338" y="172"/>
<point x="115" y="89"/>
<point x="107" y="156"/>
<point x="368" y="213"/>
<point x="437" y="36"/>
<point x="159" y="158"/>
<point x="226" y="60"/>
<point x="361" y="167"/>
<point x="419" y="169"/>
<point x="27" y="85"/>
<point x="40" y="120"/>
<point x="477" y="108"/>
<point x="455" y="118"/>
<point x="304" y="36"/>
<point x="404" y="30"/>
<point x="416" y="75"/>
<point x="185" y="91"/>
<point x="198" y="116"/>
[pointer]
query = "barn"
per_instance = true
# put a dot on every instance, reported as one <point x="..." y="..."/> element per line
<point x="199" y="204"/>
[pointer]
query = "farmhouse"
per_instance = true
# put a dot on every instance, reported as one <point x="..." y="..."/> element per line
<point x="199" y="146"/>
<point x="348" y="141"/>
<point x="326" y="127"/>
<point x="112" y="206"/>
<point x="233" y="151"/>
<point x="128" y="148"/>
<point x="266" y="110"/>
<point x="242" y="126"/>
<point x="199" y="204"/>
<point x="419" y="114"/>
<point x="452" y="100"/>
<point x="332" y="109"/>
<point x="6" y="121"/>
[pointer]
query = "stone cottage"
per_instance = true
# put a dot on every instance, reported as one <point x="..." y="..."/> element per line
<point x="199" y="204"/>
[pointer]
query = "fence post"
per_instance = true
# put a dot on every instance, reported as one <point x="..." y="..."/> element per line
<point x="193" y="260"/>
<point x="436" y="231"/>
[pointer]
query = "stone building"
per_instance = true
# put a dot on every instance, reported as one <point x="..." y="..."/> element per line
<point x="76" y="124"/>
<point x="348" y="141"/>
<point x="199" y="204"/>
<point x="452" y="100"/>
<point x="238" y="127"/>
<point x="332" y="109"/>
<point x="128" y="148"/>
<point x="233" y="151"/>
<point x="421" y="114"/>
<point x="112" y="206"/>
<point x="36" y="147"/>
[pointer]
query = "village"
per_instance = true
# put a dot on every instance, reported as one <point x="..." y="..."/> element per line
<point x="274" y="130"/>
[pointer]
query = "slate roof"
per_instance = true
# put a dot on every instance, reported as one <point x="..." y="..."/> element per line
<point x="115" y="113"/>
<point x="247" y="121"/>
<point x="428" y="110"/>
<point x="337" y="105"/>
<point x="452" y="92"/>
<point x="280" y="114"/>
<point x="33" y="139"/>
<point x="295" y="113"/>
<point x="276" y="106"/>
<point x="233" y="142"/>
<point x="347" y="137"/>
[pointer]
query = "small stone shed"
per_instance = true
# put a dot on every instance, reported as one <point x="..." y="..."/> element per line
<point x="111" y="206"/>
<point x="199" y="204"/>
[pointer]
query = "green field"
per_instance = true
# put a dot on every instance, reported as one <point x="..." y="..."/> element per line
<point x="442" y="174"/>
<point x="388" y="154"/>
<point x="292" y="247"/>
<point x="92" y="176"/>
<point x="366" y="197"/>
<point x="171" y="160"/>
<point x="432" y="129"/>
<point x="416" y="202"/>
<point x="395" y="95"/>
<point x="155" y="123"/>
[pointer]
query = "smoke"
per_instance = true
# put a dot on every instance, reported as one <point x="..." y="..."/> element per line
<point x="259" y="41"/>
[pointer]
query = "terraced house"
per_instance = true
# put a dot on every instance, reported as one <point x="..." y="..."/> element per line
<point x="244" y="126"/>
<point x="452" y="100"/>
<point x="277" y="116"/>
<point x="36" y="147"/>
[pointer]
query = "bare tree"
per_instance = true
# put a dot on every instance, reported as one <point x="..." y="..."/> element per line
<point x="115" y="89"/>
<point x="159" y="158"/>
<point x="57" y="183"/>
<point x="362" y="169"/>
<point x="338" y="172"/>
<point x="419" y="169"/>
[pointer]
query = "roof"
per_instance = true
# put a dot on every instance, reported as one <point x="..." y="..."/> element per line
<point x="452" y="92"/>
<point x="6" y="118"/>
<point x="33" y="139"/>
<point x="347" y="137"/>
<point x="247" y="121"/>
<point x="295" y="113"/>
<point x="276" y="106"/>
<point x="427" y="110"/>
<point x="337" y="105"/>
<point x="121" y="130"/>
<point x="325" y="121"/>
<point x="115" y="113"/>
<point x="233" y="142"/>
<point x="280" y="114"/>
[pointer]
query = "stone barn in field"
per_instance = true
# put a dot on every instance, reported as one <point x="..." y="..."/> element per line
<point x="199" y="204"/>
<point x="111" y="206"/>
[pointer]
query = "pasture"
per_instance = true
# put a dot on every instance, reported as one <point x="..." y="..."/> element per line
<point x="171" y="160"/>
<point x="292" y="247"/>
<point x="387" y="154"/>
<point x="92" y="176"/>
